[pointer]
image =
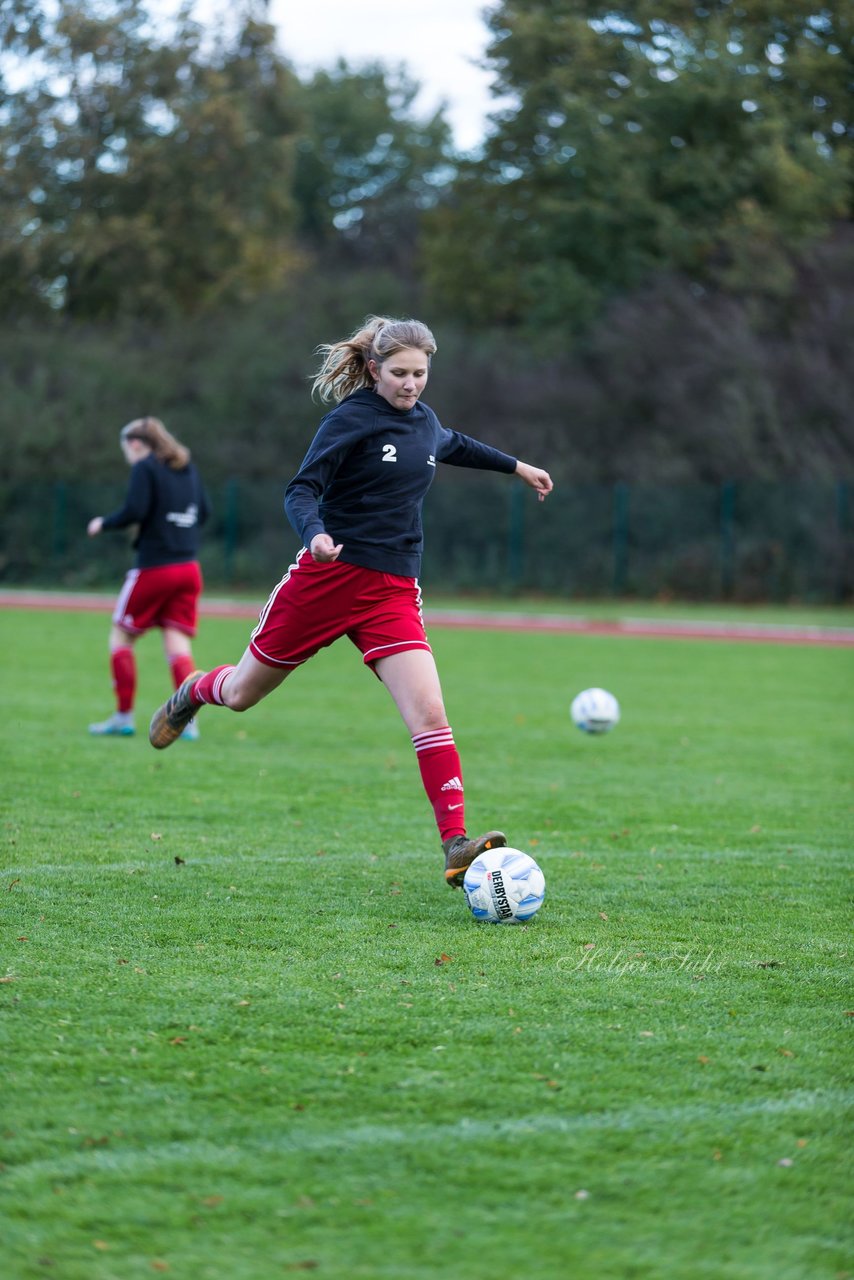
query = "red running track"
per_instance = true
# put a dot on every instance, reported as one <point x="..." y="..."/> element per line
<point x="761" y="632"/>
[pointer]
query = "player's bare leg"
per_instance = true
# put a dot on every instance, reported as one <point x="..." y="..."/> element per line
<point x="238" y="688"/>
<point x="413" y="682"/>
<point x="250" y="682"/>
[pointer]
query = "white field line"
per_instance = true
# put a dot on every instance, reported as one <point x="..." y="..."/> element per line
<point x="232" y="1152"/>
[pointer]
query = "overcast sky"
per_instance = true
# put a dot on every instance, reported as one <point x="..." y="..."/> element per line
<point x="440" y="41"/>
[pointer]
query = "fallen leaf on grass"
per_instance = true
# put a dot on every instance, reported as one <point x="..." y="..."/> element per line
<point x="17" y="880"/>
<point x="157" y="1264"/>
<point x="10" y="978"/>
<point x="703" y="1060"/>
<point x="444" y="958"/>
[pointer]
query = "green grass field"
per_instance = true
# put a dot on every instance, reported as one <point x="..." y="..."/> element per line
<point x="248" y="1032"/>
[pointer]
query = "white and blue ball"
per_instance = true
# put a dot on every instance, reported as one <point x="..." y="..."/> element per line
<point x="595" y="711"/>
<point x="504" y="886"/>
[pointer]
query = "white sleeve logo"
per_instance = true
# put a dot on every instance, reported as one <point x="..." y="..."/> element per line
<point x="389" y="453"/>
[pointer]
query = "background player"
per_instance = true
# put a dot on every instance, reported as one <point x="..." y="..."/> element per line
<point x="166" y="499"/>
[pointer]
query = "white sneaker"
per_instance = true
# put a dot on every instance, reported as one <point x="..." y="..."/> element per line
<point x="191" y="732"/>
<point x="118" y="725"/>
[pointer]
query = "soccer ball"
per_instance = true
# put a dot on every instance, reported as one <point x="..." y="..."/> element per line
<point x="595" y="711"/>
<point x="504" y="886"/>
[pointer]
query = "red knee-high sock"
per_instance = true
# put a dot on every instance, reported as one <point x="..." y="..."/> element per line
<point x="123" y="667"/>
<point x="209" y="688"/>
<point x="442" y="776"/>
<point x="181" y="666"/>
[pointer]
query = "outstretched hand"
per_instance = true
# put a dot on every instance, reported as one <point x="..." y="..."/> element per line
<point x="94" y="526"/>
<point x="323" y="549"/>
<point x="538" y="479"/>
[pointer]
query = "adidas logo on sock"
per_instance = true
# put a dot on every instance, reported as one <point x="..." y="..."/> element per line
<point x="453" y="785"/>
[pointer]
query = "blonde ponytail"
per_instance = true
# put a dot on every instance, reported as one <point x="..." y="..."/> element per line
<point x="344" y="366"/>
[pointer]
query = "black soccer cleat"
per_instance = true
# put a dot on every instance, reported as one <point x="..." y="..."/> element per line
<point x="170" y="720"/>
<point x="460" y="853"/>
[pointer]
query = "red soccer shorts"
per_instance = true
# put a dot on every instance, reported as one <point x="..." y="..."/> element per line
<point x="165" y="596"/>
<point x="315" y="604"/>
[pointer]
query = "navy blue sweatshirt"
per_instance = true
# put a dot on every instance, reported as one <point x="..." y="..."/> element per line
<point x="366" y="474"/>
<point x="168" y="506"/>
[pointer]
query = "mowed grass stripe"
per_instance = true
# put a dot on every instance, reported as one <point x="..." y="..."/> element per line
<point x="674" y="1119"/>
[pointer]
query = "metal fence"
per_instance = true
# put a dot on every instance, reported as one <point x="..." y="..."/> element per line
<point x="744" y="541"/>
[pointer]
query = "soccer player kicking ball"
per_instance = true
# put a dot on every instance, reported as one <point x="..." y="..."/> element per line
<point x="356" y="504"/>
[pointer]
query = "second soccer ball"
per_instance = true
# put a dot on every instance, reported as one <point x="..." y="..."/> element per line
<point x="595" y="711"/>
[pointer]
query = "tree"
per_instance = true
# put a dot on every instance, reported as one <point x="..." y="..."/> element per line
<point x="366" y="168"/>
<point x="647" y="135"/>
<point x="143" y="176"/>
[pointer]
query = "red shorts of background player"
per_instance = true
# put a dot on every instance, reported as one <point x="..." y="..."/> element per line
<point x="165" y="596"/>
<point x="315" y="604"/>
